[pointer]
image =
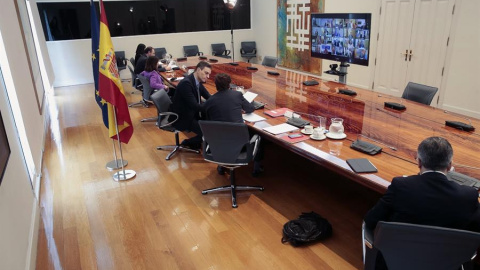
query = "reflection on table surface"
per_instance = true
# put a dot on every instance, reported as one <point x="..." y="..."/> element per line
<point x="365" y="118"/>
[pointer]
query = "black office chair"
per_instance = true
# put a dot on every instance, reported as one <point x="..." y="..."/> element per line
<point x="270" y="61"/>
<point x="220" y="50"/>
<point x="121" y="60"/>
<point x="137" y="85"/>
<point x="160" y="52"/>
<point x="419" y="93"/>
<point x="191" y="50"/>
<point x="248" y="50"/>
<point x="162" y="101"/>
<point x="228" y="145"/>
<point x="411" y="246"/>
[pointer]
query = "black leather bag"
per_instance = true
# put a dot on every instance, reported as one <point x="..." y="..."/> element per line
<point x="366" y="147"/>
<point x="308" y="228"/>
<point x="298" y="122"/>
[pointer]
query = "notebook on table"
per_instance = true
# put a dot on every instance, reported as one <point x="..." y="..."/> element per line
<point x="277" y="112"/>
<point x="361" y="165"/>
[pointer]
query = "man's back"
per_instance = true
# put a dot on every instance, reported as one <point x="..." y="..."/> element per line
<point x="227" y="106"/>
<point x="428" y="199"/>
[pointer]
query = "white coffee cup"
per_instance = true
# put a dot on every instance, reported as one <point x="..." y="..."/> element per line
<point x="318" y="133"/>
<point x="308" y="129"/>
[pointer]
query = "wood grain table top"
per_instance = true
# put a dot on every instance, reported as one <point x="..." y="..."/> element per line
<point x="365" y="118"/>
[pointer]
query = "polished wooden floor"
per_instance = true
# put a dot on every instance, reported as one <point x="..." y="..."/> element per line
<point x="160" y="219"/>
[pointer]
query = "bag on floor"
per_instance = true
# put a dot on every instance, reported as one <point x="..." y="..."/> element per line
<point x="308" y="228"/>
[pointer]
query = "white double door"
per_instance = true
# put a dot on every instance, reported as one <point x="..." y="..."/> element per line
<point x="412" y="44"/>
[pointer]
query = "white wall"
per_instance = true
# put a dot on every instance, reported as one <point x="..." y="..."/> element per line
<point x="462" y="86"/>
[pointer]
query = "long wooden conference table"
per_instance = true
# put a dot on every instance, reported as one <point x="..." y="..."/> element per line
<point x="365" y="118"/>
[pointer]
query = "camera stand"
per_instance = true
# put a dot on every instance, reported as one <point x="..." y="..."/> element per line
<point x="342" y="73"/>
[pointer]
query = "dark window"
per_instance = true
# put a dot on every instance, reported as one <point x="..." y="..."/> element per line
<point x="64" y="21"/>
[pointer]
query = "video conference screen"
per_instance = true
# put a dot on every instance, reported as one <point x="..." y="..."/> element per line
<point x="343" y="37"/>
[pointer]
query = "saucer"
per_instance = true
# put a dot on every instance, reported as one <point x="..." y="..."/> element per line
<point x="305" y="132"/>
<point x="318" y="139"/>
<point x="336" y="136"/>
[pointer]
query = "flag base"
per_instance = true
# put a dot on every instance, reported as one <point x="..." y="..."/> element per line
<point x="120" y="176"/>
<point x="116" y="164"/>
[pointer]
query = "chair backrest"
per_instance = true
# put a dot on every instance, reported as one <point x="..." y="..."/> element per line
<point x="218" y="49"/>
<point x="162" y="101"/>
<point x="190" y="50"/>
<point x="132" y="61"/>
<point x="225" y="140"/>
<point x="134" y="77"/>
<point x="419" y="93"/>
<point x="269" y="61"/>
<point x="411" y="246"/>
<point x="160" y="52"/>
<point x="120" y="57"/>
<point x="248" y="46"/>
<point x="145" y="83"/>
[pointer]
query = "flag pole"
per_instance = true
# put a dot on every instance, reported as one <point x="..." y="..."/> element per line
<point x="116" y="164"/>
<point x="123" y="174"/>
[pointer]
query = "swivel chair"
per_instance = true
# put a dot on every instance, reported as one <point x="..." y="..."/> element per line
<point x="228" y="145"/>
<point x="248" y="50"/>
<point x="419" y="93"/>
<point x="147" y="93"/>
<point x="160" y="52"/>
<point x="219" y="49"/>
<point x="121" y="60"/>
<point x="191" y="50"/>
<point x="270" y="61"/>
<point x="137" y="85"/>
<point x="162" y="101"/>
<point x="412" y="246"/>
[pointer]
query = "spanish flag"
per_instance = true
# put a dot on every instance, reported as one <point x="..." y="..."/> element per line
<point x="110" y="86"/>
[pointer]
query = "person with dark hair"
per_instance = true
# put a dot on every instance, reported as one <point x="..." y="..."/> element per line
<point x="187" y="103"/>
<point x="428" y="198"/>
<point x="227" y="105"/>
<point x="139" y="51"/>
<point x="142" y="60"/>
<point x="150" y="72"/>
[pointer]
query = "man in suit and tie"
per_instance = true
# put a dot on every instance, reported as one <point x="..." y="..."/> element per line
<point x="428" y="198"/>
<point x="187" y="103"/>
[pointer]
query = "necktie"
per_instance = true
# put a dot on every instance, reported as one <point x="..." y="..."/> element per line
<point x="198" y="93"/>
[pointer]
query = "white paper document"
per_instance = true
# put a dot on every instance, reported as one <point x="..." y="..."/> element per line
<point x="252" y="118"/>
<point x="282" y="128"/>
<point x="249" y="96"/>
<point x="178" y="79"/>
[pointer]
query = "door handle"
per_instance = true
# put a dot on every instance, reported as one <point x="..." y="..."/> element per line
<point x="406" y="54"/>
<point x="410" y="56"/>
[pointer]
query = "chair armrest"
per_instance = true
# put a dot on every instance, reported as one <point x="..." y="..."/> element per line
<point x="185" y="55"/>
<point x="255" y="140"/>
<point x="159" y="120"/>
<point x="214" y="53"/>
<point x="254" y="51"/>
<point x="367" y="236"/>
<point x="200" y="53"/>
<point x="227" y="52"/>
<point x="242" y="51"/>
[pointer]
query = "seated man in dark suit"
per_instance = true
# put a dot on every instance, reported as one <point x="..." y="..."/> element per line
<point x="227" y="106"/>
<point x="187" y="103"/>
<point x="428" y="198"/>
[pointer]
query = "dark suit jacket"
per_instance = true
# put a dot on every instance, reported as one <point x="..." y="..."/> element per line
<point x="227" y="106"/>
<point x="428" y="199"/>
<point x="185" y="102"/>
<point x="140" y="64"/>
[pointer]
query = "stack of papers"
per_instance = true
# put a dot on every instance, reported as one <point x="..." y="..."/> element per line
<point x="249" y="96"/>
<point x="252" y="118"/>
<point x="282" y="128"/>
